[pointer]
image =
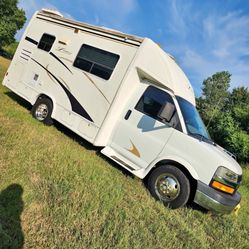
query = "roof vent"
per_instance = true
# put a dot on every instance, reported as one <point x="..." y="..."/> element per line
<point x="52" y="12"/>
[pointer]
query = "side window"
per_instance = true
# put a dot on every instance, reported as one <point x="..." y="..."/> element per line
<point x="46" y="42"/>
<point x="152" y="102"/>
<point x="96" y="61"/>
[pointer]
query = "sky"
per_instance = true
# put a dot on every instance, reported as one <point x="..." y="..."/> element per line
<point x="204" y="36"/>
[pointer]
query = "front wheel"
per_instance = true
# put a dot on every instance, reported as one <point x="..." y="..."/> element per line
<point x="170" y="185"/>
<point x="42" y="110"/>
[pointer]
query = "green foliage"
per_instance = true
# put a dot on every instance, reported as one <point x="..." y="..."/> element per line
<point x="239" y="106"/>
<point x="226" y="132"/>
<point x="215" y="94"/>
<point x="11" y="20"/>
<point x="11" y="48"/>
<point x="226" y="114"/>
<point x="8" y="51"/>
<point x="215" y="87"/>
<point x="239" y="143"/>
<point x="222" y="127"/>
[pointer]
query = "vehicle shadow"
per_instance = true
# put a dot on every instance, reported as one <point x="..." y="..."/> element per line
<point x="197" y="207"/>
<point x="19" y="100"/>
<point x="115" y="165"/>
<point x="87" y="145"/>
<point x="81" y="141"/>
<point x="11" y="207"/>
<point x="69" y="133"/>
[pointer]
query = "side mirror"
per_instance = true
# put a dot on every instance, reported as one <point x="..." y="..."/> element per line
<point x="167" y="112"/>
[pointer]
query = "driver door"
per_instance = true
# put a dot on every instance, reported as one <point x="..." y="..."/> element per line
<point x="141" y="134"/>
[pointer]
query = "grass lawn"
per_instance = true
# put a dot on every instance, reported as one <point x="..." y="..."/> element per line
<point x="56" y="191"/>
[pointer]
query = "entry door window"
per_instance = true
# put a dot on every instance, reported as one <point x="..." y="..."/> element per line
<point x="152" y="102"/>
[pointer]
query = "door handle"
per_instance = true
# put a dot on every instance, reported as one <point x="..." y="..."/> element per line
<point x="127" y="115"/>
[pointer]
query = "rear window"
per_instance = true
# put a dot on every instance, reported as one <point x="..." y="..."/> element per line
<point x="96" y="61"/>
<point x="46" y="42"/>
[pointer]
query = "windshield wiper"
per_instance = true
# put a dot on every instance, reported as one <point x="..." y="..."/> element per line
<point x="203" y="138"/>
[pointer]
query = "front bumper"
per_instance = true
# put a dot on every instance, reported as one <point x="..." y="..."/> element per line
<point x="214" y="200"/>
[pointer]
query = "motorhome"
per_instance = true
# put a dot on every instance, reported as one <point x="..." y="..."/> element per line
<point x="126" y="95"/>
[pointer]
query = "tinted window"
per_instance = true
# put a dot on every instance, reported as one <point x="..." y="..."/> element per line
<point x="96" y="61"/>
<point x="193" y="121"/>
<point x="152" y="102"/>
<point x="46" y="42"/>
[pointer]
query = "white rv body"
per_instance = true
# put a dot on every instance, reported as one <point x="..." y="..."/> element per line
<point x="105" y="111"/>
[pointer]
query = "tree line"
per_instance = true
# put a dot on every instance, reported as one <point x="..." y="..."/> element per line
<point x="226" y="114"/>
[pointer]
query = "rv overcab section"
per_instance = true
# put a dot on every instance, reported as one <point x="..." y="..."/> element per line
<point x="125" y="94"/>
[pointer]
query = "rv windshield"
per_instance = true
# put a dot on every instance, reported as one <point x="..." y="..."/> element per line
<point x="193" y="121"/>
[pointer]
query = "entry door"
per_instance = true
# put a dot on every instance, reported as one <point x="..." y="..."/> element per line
<point x="141" y="135"/>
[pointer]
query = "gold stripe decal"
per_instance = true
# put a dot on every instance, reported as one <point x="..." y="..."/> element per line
<point x="49" y="74"/>
<point x="134" y="150"/>
<point x="96" y="86"/>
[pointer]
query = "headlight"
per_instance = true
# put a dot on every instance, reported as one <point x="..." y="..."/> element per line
<point x="225" y="180"/>
<point x="227" y="175"/>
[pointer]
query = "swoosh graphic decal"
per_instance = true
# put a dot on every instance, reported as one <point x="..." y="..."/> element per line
<point x="66" y="59"/>
<point x="58" y="59"/>
<point x="134" y="150"/>
<point x="76" y="106"/>
<point x="51" y="53"/>
<point x="50" y="75"/>
<point x="65" y="84"/>
<point x="63" y="50"/>
<point x="96" y="86"/>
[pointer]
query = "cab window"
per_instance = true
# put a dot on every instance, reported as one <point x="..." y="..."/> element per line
<point x="151" y="103"/>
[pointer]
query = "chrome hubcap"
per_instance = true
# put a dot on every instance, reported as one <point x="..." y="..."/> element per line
<point x="41" y="112"/>
<point x="167" y="187"/>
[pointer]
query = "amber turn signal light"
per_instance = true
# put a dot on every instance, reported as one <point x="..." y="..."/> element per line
<point x="222" y="187"/>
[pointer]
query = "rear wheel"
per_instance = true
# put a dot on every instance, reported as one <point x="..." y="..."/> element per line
<point x="42" y="110"/>
<point x="170" y="185"/>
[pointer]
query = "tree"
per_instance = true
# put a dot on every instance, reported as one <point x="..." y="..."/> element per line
<point x="228" y="134"/>
<point x="11" y="20"/>
<point x="239" y="105"/>
<point x="214" y="95"/>
<point x="226" y="114"/>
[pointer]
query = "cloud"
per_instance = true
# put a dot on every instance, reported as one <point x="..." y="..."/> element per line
<point x="121" y="7"/>
<point x="114" y="14"/>
<point x="228" y="44"/>
<point x="177" y="23"/>
<point x="205" y="39"/>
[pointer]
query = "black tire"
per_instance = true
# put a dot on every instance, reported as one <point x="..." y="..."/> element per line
<point x="42" y="110"/>
<point x="170" y="185"/>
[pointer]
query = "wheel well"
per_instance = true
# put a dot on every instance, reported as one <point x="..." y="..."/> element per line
<point x="44" y="96"/>
<point x="193" y="182"/>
